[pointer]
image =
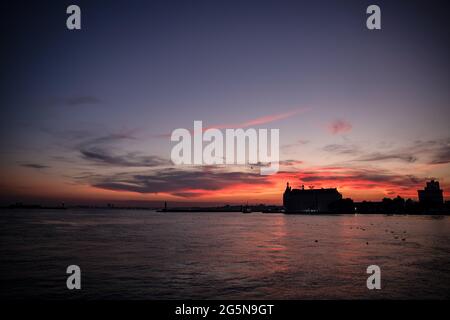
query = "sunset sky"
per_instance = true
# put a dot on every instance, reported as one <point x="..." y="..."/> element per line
<point x="86" y="115"/>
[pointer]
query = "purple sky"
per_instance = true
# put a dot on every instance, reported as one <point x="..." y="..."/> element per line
<point x="85" y="113"/>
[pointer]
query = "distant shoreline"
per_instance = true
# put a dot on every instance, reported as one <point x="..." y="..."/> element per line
<point x="231" y="209"/>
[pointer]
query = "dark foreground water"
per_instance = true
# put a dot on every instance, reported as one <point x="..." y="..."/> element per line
<point x="147" y="255"/>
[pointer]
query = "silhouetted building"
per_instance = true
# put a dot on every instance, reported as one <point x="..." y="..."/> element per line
<point x="309" y="200"/>
<point x="346" y="206"/>
<point x="431" y="194"/>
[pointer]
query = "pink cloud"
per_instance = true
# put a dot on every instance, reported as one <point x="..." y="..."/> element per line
<point x="260" y="120"/>
<point x="339" y="126"/>
<point x="249" y="123"/>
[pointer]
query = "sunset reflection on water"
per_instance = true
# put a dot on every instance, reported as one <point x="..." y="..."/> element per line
<point x="148" y="255"/>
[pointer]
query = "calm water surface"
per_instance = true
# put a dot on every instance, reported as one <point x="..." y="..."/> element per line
<point x="125" y="254"/>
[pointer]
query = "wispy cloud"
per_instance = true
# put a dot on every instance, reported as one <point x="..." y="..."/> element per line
<point x="108" y="138"/>
<point x="100" y="150"/>
<point x="259" y="121"/>
<point x="296" y="144"/>
<point x="289" y="163"/>
<point x="339" y="126"/>
<point x="82" y="100"/>
<point x="345" y="149"/>
<point x="249" y="123"/>
<point x="74" y="101"/>
<point x="358" y="175"/>
<point x="441" y="155"/>
<point x="34" y="166"/>
<point x="428" y="152"/>
<point x="180" y="182"/>
<point x="378" y="156"/>
<point x="130" y="159"/>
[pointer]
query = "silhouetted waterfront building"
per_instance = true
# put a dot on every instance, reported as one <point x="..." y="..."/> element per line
<point x="309" y="200"/>
<point x="431" y="195"/>
<point x="344" y="206"/>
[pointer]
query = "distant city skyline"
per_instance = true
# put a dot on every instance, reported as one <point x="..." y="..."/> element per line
<point x="86" y="115"/>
